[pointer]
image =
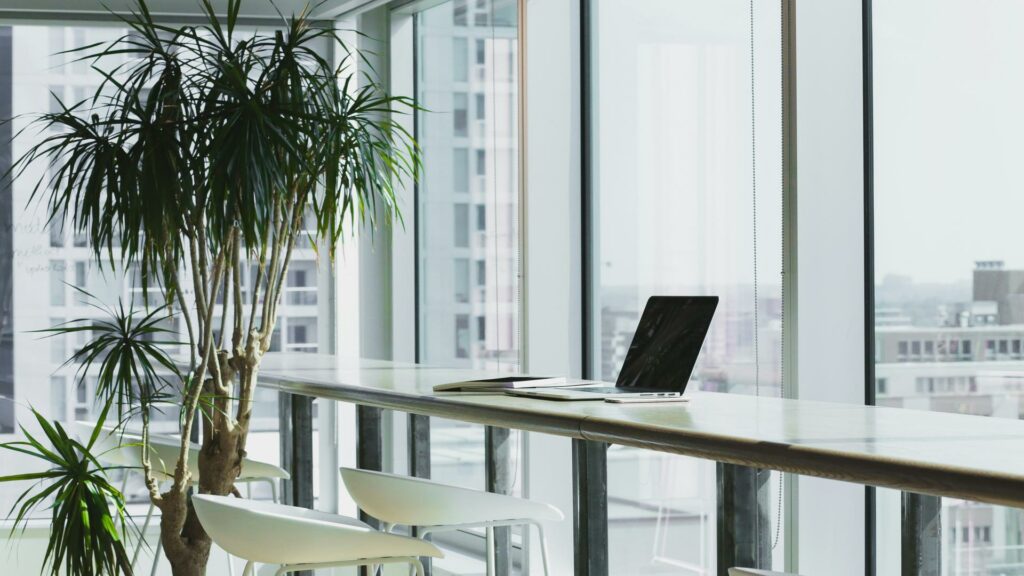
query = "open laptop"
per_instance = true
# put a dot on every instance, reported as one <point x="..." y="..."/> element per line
<point x="661" y="356"/>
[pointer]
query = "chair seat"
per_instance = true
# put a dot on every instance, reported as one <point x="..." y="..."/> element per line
<point x="278" y="534"/>
<point x="417" y="502"/>
<point x="124" y="449"/>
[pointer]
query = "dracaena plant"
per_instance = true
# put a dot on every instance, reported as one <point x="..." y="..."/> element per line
<point x="205" y="152"/>
<point x="87" y="513"/>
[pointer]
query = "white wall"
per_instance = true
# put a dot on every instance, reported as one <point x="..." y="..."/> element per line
<point x="551" y="227"/>
<point x="830" y="252"/>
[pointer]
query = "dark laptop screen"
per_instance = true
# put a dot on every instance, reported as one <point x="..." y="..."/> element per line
<point x="667" y="342"/>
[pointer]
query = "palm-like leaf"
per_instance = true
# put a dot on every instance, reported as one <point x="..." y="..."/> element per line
<point x="126" y="353"/>
<point x="87" y="513"/>
<point x="201" y="125"/>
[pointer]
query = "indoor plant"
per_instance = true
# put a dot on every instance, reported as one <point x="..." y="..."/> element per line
<point x="206" y="150"/>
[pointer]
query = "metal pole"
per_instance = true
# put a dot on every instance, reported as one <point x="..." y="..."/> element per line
<point x="590" y="507"/>
<point x="744" y="534"/>
<point x="922" y="535"/>
<point x="419" y="462"/>
<point x="369" y="451"/>
<point x="498" y="457"/>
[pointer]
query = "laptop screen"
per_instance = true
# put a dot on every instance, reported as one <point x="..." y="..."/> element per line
<point x="667" y="342"/>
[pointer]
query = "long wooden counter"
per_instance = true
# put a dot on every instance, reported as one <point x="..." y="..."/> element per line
<point x="967" y="457"/>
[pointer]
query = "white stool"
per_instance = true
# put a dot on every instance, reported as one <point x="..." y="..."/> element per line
<point x="125" y="449"/>
<point x="753" y="572"/>
<point x="433" y="507"/>
<point x="301" y="539"/>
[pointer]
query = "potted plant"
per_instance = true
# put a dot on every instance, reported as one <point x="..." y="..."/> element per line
<point x="206" y="150"/>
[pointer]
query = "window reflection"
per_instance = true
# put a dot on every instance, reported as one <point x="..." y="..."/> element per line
<point x="948" y="264"/>
<point x="674" y="214"/>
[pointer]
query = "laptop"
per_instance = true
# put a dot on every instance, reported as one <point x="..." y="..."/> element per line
<point x="660" y="358"/>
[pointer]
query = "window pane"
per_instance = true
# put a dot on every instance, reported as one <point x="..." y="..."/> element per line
<point x="675" y="213"/>
<point x="37" y="260"/>
<point x="456" y="229"/>
<point x="949" y="265"/>
<point x="468" y="263"/>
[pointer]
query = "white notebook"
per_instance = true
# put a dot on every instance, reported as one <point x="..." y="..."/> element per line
<point x="504" y="383"/>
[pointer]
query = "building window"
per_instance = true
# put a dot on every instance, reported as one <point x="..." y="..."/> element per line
<point x="58" y="288"/>
<point x="481" y="162"/>
<point x="903" y="348"/>
<point x="481" y="218"/>
<point x="462" y="336"/>
<point x="460" y="170"/>
<point x="462" y="226"/>
<point x="459" y="12"/>
<point x="481" y="52"/>
<point x="481" y="106"/>
<point x="881" y="385"/>
<point x="460" y="114"/>
<point x="56" y="234"/>
<point x="59" y="398"/>
<point x="462" y="280"/>
<point x="460" y="59"/>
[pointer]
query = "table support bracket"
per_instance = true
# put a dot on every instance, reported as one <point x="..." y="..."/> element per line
<point x="498" y="455"/>
<point x="590" y="507"/>
<point x="921" y="517"/>
<point x="744" y="533"/>
<point x="369" y="451"/>
<point x="419" y="463"/>
<point x="295" y="422"/>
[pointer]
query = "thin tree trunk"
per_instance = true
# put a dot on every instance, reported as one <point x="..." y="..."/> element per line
<point x="186" y="543"/>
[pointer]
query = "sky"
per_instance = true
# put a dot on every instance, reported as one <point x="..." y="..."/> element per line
<point x="949" y="136"/>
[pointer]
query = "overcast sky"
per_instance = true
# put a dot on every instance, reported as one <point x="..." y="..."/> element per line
<point x="949" y="136"/>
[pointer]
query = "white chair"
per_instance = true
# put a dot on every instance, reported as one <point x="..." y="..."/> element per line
<point x="124" y="449"/>
<point x="301" y="539"/>
<point x="753" y="572"/>
<point x="432" y="507"/>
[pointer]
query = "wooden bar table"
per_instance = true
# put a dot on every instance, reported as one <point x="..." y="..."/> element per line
<point x="924" y="454"/>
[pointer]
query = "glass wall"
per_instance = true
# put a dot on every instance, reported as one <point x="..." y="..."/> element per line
<point x="47" y="263"/>
<point x="467" y="211"/>
<point x="686" y="200"/>
<point x="949" y="265"/>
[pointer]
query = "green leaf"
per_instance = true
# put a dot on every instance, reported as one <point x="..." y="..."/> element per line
<point x="84" y="537"/>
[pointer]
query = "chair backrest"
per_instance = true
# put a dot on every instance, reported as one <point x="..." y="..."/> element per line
<point x="278" y="534"/>
<point x="418" y="502"/>
<point x="124" y="449"/>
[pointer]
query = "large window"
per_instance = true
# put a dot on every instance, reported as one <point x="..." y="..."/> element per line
<point x="467" y="212"/>
<point x="949" y="264"/>
<point x="43" y="264"/>
<point x="686" y="199"/>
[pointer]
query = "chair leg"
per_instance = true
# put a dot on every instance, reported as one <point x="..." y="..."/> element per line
<point x="273" y="489"/>
<point x="231" y="564"/>
<point x="142" y="534"/>
<point x="249" y="568"/>
<point x="156" y="555"/>
<point x="543" y="549"/>
<point x="490" y="551"/>
<point x="418" y="567"/>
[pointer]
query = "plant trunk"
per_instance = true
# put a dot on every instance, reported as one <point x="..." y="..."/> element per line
<point x="220" y="462"/>
<point x="186" y="544"/>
